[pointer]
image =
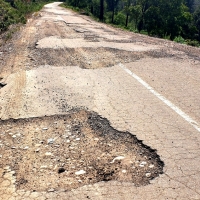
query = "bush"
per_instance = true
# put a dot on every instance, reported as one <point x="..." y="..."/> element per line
<point x="120" y="19"/>
<point x="8" y="15"/>
<point x="18" y="13"/>
<point x="179" y="39"/>
<point x="193" y="43"/>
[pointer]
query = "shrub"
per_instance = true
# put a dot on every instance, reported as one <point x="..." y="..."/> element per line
<point x="179" y="39"/>
<point x="120" y="19"/>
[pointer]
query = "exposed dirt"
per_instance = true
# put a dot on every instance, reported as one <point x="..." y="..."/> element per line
<point x="68" y="151"/>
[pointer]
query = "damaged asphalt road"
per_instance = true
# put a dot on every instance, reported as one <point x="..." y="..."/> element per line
<point x="75" y="125"/>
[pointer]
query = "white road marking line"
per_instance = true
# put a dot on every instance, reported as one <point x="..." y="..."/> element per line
<point x="163" y="99"/>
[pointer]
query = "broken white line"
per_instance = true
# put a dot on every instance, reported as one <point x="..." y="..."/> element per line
<point x="163" y="99"/>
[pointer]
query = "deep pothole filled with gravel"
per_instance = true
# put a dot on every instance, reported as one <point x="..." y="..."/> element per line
<point x="69" y="151"/>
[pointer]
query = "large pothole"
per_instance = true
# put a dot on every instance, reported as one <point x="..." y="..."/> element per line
<point x="90" y="58"/>
<point x="69" y="151"/>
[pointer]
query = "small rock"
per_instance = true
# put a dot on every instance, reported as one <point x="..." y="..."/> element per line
<point x="148" y="175"/>
<point x="151" y="166"/>
<point x="50" y="141"/>
<point x="68" y="141"/>
<point x="123" y="171"/>
<point x="48" y="154"/>
<point x="37" y="150"/>
<point x="80" y="172"/>
<point x="117" y="158"/>
<point x="77" y="139"/>
<point x="43" y="167"/>
<point x="51" y="190"/>
<point x="45" y="128"/>
<point x="14" y="136"/>
<point x="0" y="156"/>
<point x="6" y="168"/>
<point x="96" y="139"/>
<point x="142" y="164"/>
<point x="37" y="145"/>
<point x="26" y="147"/>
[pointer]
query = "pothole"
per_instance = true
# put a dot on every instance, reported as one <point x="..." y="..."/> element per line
<point x="69" y="151"/>
<point x="90" y="58"/>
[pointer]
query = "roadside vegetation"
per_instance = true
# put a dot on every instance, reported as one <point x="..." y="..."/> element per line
<point x="17" y="11"/>
<point x="177" y="20"/>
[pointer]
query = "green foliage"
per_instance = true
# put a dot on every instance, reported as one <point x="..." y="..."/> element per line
<point x="119" y="18"/>
<point x="197" y="21"/>
<point x="179" y="39"/>
<point x="166" y="19"/>
<point x="8" y="15"/>
<point x="18" y="13"/>
<point x="193" y="43"/>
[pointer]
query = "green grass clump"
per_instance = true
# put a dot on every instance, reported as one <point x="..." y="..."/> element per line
<point x="8" y="16"/>
<point x="18" y="12"/>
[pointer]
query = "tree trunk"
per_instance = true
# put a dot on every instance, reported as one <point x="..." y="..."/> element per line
<point x="127" y="16"/>
<point x="113" y="14"/>
<point x="92" y="9"/>
<point x="101" y="16"/>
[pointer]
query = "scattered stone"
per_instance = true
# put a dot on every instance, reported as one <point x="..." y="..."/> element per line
<point x="68" y="141"/>
<point x="51" y="190"/>
<point x="123" y="171"/>
<point x="6" y="168"/>
<point x="50" y="141"/>
<point x="45" y="128"/>
<point x="26" y="147"/>
<point x="142" y="164"/>
<point x="80" y="172"/>
<point x="77" y="139"/>
<point x="151" y="166"/>
<point x="43" y="167"/>
<point x="14" y="136"/>
<point x="117" y="158"/>
<point x="48" y="154"/>
<point x="37" y="150"/>
<point x="0" y="156"/>
<point x="148" y="175"/>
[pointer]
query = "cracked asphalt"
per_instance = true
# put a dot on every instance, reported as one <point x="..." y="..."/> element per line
<point x="62" y="60"/>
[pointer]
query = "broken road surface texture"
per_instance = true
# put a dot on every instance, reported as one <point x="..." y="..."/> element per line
<point x="76" y="125"/>
<point x="69" y="151"/>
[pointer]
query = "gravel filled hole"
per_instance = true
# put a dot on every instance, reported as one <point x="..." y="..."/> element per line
<point x="84" y="149"/>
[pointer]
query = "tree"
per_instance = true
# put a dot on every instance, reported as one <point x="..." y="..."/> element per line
<point x="136" y="13"/>
<point x="101" y="16"/>
<point x="197" y="21"/>
<point x="111" y="6"/>
<point x="190" y="5"/>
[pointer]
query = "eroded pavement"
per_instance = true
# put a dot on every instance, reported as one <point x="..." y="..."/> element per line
<point x="85" y="114"/>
